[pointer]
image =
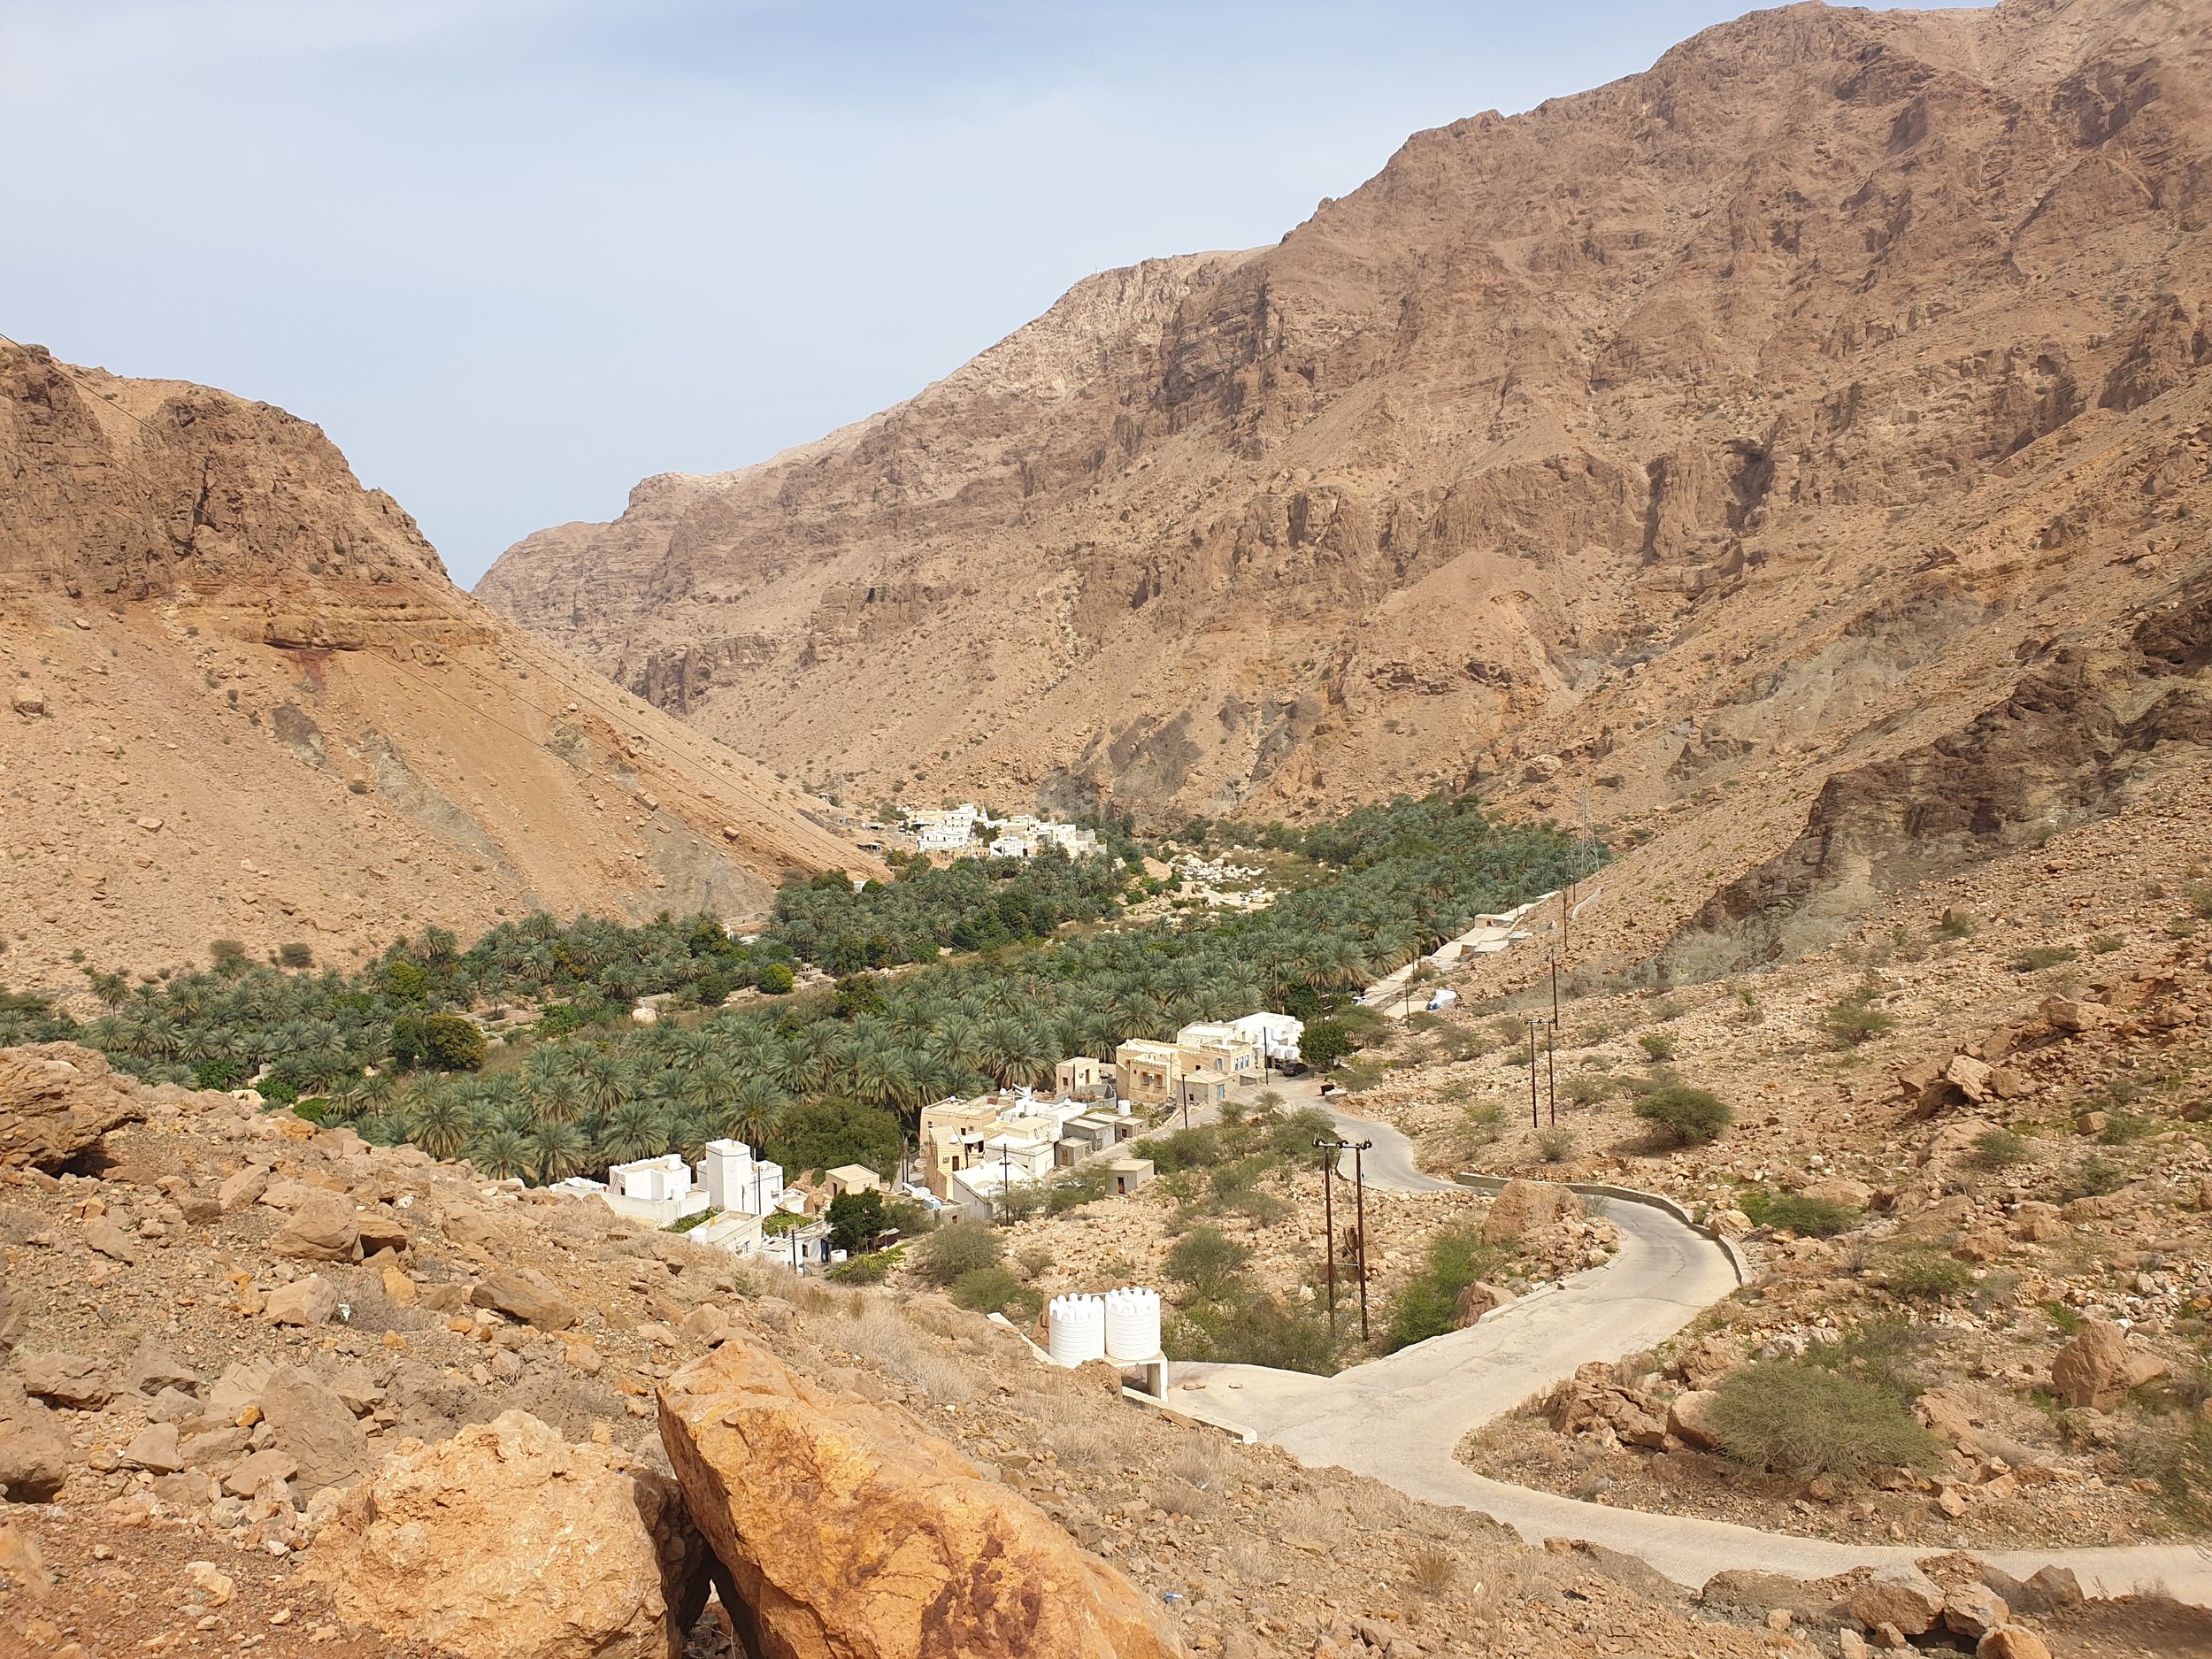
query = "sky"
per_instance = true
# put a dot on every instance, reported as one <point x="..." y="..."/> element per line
<point x="515" y="255"/>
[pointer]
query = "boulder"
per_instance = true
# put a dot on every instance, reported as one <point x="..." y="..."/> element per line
<point x="321" y="1229"/>
<point x="1689" y="1419"/>
<point x="379" y="1229"/>
<point x="1527" y="1209"/>
<point x="152" y="1367"/>
<point x="2049" y="1590"/>
<point x="1970" y="1077"/>
<point x="2063" y="1013"/>
<point x="1476" y="1300"/>
<point x="104" y="1237"/>
<point x="906" y="1549"/>
<point x="55" y="1100"/>
<point x="310" y="1300"/>
<point x="311" y="1422"/>
<point x="256" y="1469"/>
<point x="2012" y="1641"/>
<point x="243" y="1189"/>
<point x="15" y="1318"/>
<point x="528" y="1296"/>
<point x="66" y="1379"/>
<point x="34" y="1450"/>
<point x="155" y="1447"/>
<point x="238" y="1387"/>
<point x="1899" y="1595"/>
<point x="1706" y="1362"/>
<point x="2096" y="1369"/>
<point x="1948" y="1420"/>
<point x="2035" y="1222"/>
<point x="506" y="1542"/>
<point x="1973" y="1610"/>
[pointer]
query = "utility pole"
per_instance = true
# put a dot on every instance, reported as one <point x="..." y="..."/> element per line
<point x="1531" y="1023"/>
<point x="1356" y="1257"/>
<point x="1551" y="1047"/>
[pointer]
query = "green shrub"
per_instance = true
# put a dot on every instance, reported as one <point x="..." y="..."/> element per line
<point x="1554" y="1146"/>
<point x="1323" y="1043"/>
<point x="994" y="1290"/>
<point x="1793" y="1213"/>
<point x="558" y="1019"/>
<point x="1853" y="1019"/>
<point x="1427" y="1304"/>
<point x="2035" y="958"/>
<point x="1693" y="1116"/>
<point x="2105" y="944"/>
<point x="1923" y="1272"/>
<point x="854" y="1218"/>
<point x="452" y="1043"/>
<point x="294" y="956"/>
<point x="2121" y="1128"/>
<point x="217" y="1073"/>
<point x="776" y="978"/>
<point x="1264" y="1332"/>
<point x="872" y="1268"/>
<point x="1788" y="1417"/>
<point x="961" y="1248"/>
<point x="1657" y="1044"/>
<point x="1955" y="925"/>
<point x="2001" y="1149"/>
<point x="1207" y="1260"/>
<point x="2093" y="1178"/>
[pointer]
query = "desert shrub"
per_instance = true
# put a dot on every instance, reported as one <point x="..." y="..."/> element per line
<point x="2185" y="1479"/>
<point x="2121" y="1128"/>
<point x="1075" y="1189"/>
<point x="558" y="1019"/>
<point x="951" y="1251"/>
<point x="2105" y="944"/>
<point x="776" y="978"/>
<point x="1693" y="1116"/>
<point x="1431" y="1571"/>
<point x="909" y="1216"/>
<point x="1881" y="1351"/>
<point x="294" y="956"/>
<point x="1019" y="1201"/>
<point x="1207" y="1260"/>
<point x="994" y="1290"/>
<point x="2093" y="1178"/>
<point x="1554" y="1146"/>
<point x="1793" y="1213"/>
<point x="229" y="956"/>
<point x="2035" y="958"/>
<point x="2001" y="1149"/>
<point x="1955" y="925"/>
<point x="1264" y="1332"/>
<point x="452" y="1043"/>
<point x="867" y="1270"/>
<point x="1801" y="1420"/>
<point x="1853" y="1019"/>
<point x="1587" y="1089"/>
<point x="1427" y="1304"/>
<point x="1657" y="1045"/>
<point x="1922" y="1272"/>
<point x="1482" y="1122"/>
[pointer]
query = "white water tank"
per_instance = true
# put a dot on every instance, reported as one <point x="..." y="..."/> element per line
<point x="1132" y="1324"/>
<point x="1075" y="1329"/>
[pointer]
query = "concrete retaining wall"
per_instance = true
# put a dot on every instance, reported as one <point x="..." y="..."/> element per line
<point x="1631" y="1196"/>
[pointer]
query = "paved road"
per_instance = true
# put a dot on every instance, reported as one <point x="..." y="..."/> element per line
<point x="1387" y="995"/>
<point x="1400" y="1418"/>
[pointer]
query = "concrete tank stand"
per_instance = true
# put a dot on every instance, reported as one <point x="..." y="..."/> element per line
<point x="1154" y="1390"/>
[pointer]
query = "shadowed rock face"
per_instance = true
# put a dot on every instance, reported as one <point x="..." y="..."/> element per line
<point x="58" y="1099"/>
<point x="851" y="1534"/>
<point x="1702" y="367"/>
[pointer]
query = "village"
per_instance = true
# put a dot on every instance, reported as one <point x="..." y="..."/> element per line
<point x="973" y="1155"/>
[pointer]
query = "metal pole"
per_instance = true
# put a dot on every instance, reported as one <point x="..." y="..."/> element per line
<point x="1359" y="1196"/>
<point x="1551" y="1070"/>
<point x="1328" y="1226"/>
<point x="1532" y="1120"/>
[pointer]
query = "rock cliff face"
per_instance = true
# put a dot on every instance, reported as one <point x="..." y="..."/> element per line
<point x="1744" y="413"/>
<point x="244" y="701"/>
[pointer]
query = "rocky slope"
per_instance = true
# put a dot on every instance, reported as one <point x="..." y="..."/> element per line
<point x="1743" y="421"/>
<point x="245" y="702"/>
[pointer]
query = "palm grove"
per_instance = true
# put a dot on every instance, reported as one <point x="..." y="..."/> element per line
<point x="819" y="1078"/>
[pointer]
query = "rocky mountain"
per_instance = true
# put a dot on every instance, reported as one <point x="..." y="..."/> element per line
<point x="245" y="702"/>
<point x="1742" y="422"/>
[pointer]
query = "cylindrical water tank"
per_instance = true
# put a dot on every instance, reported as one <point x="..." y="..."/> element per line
<point x="1075" y="1329"/>
<point x="1132" y="1324"/>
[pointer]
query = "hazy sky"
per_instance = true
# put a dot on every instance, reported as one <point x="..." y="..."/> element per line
<point x="513" y="256"/>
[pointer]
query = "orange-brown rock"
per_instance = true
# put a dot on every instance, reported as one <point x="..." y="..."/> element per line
<point x="1527" y="1209"/>
<point x="506" y="1542"/>
<point x="852" y="1534"/>
<point x="55" y="1100"/>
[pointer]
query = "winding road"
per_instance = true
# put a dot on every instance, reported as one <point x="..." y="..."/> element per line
<point x="1400" y="1418"/>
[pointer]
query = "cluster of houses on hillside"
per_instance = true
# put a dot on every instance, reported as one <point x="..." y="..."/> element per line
<point x="967" y="830"/>
<point x="972" y="1150"/>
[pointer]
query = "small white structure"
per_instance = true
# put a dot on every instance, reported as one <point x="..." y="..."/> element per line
<point x="1275" y="1035"/>
<point x="1132" y="1325"/>
<point x="1443" y="998"/>
<point x="737" y="1181"/>
<point x="659" y="1190"/>
<point x="1075" y="1330"/>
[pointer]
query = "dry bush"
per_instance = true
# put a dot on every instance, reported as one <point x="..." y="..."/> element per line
<point x="1179" y="1497"/>
<point x="1199" y="1463"/>
<point x="1431" y="1571"/>
<point x="880" y="1333"/>
<point x="1254" y="1560"/>
<point x="1314" y="1517"/>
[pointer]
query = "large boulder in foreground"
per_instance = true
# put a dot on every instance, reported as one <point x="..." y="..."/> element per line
<point x="853" y="1534"/>
<point x="1525" y="1210"/>
<point x="55" y="1100"/>
<point x="507" y="1543"/>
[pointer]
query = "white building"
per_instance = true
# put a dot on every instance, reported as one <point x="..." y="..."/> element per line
<point x="1276" y="1036"/>
<point x="947" y="830"/>
<point x="736" y="1181"/>
<point x="656" y="1190"/>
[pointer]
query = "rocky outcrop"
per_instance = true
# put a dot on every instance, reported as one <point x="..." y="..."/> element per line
<point x="506" y="1542"/>
<point x="2099" y="1369"/>
<point x="849" y="1532"/>
<point x="1524" y="1211"/>
<point x="55" y="1100"/>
